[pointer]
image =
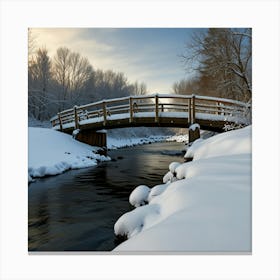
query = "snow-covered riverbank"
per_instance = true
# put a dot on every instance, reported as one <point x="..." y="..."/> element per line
<point x="116" y="143"/>
<point x="127" y="137"/>
<point x="51" y="152"/>
<point x="202" y="205"/>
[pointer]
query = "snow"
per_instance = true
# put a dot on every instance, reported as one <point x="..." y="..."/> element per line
<point x="139" y="196"/>
<point x="221" y="100"/>
<point x="75" y="132"/>
<point x="37" y="123"/>
<point x="127" y="137"/>
<point x="182" y="115"/>
<point x="157" y="190"/>
<point x="205" y="206"/>
<point x="66" y="125"/>
<point x="173" y="166"/>
<point x="51" y="153"/>
<point x="184" y="138"/>
<point x="228" y="143"/>
<point x="116" y="143"/>
<point x="168" y="177"/>
<point x="213" y="117"/>
<point x="132" y="223"/>
<point x="194" y="126"/>
<point x="120" y="142"/>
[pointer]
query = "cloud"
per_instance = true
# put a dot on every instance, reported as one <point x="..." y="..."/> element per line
<point x="73" y="38"/>
<point x="154" y="62"/>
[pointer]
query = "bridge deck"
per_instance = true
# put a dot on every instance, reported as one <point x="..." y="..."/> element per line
<point x="152" y="110"/>
<point x="166" y="119"/>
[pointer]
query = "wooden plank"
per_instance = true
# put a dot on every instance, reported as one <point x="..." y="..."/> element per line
<point x="194" y="104"/>
<point x="190" y="111"/>
<point x="76" y="117"/>
<point x="156" y="108"/>
<point x="223" y="100"/>
<point x="104" y="112"/>
<point x="60" y="122"/>
<point x="124" y="106"/>
<point x="130" y="109"/>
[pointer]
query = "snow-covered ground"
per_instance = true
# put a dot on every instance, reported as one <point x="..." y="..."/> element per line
<point x="202" y="206"/>
<point x="32" y="122"/>
<point x="127" y="137"/>
<point x="51" y="152"/>
<point x="116" y="143"/>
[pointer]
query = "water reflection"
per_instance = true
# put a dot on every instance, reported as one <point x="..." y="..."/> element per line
<point x="76" y="211"/>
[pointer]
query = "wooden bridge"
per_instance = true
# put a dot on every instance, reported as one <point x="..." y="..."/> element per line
<point x="157" y="110"/>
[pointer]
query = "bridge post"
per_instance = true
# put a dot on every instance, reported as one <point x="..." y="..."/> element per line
<point x="156" y="104"/>
<point x="218" y="104"/>
<point x="194" y="132"/>
<point x="93" y="138"/>
<point x="130" y="109"/>
<point x="190" y="111"/>
<point x="76" y="117"/>
<point x="60" y="122"/>
<point x="104" y="112"/>
<point x="193" y="110"/>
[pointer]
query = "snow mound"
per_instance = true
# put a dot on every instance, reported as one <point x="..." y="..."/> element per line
<point x="156" y="190"/>
<point x="133" y="222"/>
<point x="51" y="152"/>
<point x="173" y="166"/>
<point x="179" y="138"/>
<point x="227" y="143"/>
<point x="139" y="196"/>
<point x="193" y="147"/>
<point x="168" y="177"/>
<point x="194" y="126"/>
<point x="205" y="208"/>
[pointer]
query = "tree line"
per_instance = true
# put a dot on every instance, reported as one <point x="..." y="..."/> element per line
<point x="221" y="59"/>
<point x="68" y="79"/>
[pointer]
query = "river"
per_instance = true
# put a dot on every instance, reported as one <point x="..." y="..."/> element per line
<point x="77" y="210"/>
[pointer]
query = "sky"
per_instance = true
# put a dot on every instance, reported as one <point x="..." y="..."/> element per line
<point x="149" y="55"/>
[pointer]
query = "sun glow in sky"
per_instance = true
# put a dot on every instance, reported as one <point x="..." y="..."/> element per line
<point x="150" y="55"/>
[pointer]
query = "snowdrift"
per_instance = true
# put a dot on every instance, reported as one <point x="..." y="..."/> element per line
<point x="51" y="152"/>
<point x="203" y="206"/>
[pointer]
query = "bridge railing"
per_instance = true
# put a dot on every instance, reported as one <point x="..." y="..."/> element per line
<point x="156" y="105"/>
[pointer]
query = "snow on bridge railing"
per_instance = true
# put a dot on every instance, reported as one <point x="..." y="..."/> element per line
<point x="187" y="105"/>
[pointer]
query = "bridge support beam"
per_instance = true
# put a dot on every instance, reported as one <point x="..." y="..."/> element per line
<point x="93" y="138"/>
<point x="194" y="132"/>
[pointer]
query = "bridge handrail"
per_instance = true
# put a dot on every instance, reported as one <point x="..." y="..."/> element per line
<point x="193" y="103"/>
<point x="223" y="100"/>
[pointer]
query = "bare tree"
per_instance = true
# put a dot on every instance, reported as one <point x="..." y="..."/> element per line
<point x="80" y="75"/>
<point x="69" y="79"/>
<point x="223" y="55"/>
<point x="31" y="45"/>
<point x="39" y="79"/>
<point x="139" y="88"/>
<point x="109" y="84"/>
<point x="185" y="86"/>
<point x="61" y="71"/>
<point x="71" y="73"/>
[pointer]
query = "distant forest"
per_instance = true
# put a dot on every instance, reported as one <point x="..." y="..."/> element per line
<point x="68" y="79"/>
<point x="219" y="58"/>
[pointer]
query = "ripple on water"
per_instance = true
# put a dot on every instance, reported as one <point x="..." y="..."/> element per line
<point x="76" y="211"/>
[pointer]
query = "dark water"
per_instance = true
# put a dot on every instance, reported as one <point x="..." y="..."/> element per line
<point x="76" y="211"/>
